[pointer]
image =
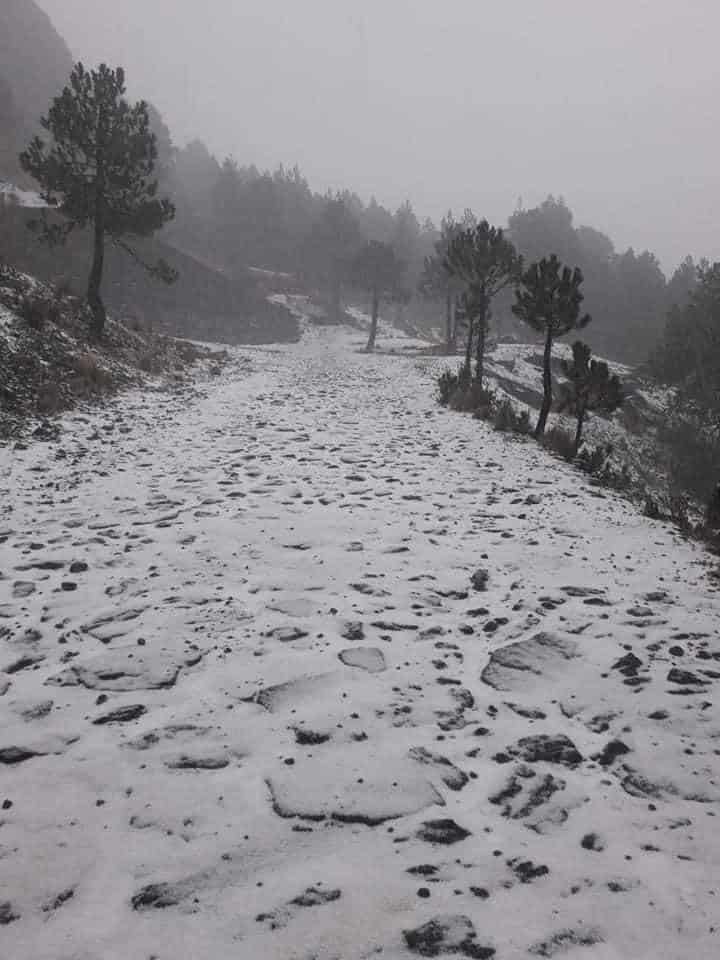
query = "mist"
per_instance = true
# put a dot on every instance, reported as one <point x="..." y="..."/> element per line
<point x="611" y="106"/>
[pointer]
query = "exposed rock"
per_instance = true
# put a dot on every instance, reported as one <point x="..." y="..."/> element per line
<point x="565" y="940"/>
<point x="544" y="748"/>
<point x="364" y="658"/>
<point x="330" y="791"/>
<point x="7" y="913"/>
<point x="122" y="714"/>
<point x="526" y="871"/>
<point x="516" y="665"/>
<point x="451" y="776"/>
<point x="479" y="579"/>
<point x="444" y="831"/>
<point x="610" y="752"/>
<point x="445" y="935"/>
<point x="11" y="755"/>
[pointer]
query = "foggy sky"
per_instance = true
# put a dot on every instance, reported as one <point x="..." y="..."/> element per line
<point x="450" y="103"/>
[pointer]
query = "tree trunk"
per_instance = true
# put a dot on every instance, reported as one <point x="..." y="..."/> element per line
<point x="449" y="338"/>
<point x="373" y="321"/>
<point x="480" y="347"/>
<point x="547" y="386"/>
<point x="467" y="368"/>
<point x="336" y="297"/>
<point x="95" y="279"/>
<point x="579" y="430"/>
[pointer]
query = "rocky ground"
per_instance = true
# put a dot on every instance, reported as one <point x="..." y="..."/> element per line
<point x="50" y="361"/>
<point x="305" y="667"/>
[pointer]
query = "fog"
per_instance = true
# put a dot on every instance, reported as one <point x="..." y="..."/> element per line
<point x="612" y="105"/>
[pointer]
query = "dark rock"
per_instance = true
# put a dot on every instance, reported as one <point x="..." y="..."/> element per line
<point x="526" y="871"/>
<point x="564" y="940"/>
<point x="198" y="763"/>
<point x="545" y="748"/>
<point x="628" y="665"/>
<point x="610" y="752"/>
<point x="157" y="895"/>
<point x="685" y="677"/>
<point x="353" y="631"/>
<point x="443" y="831"/>
<point x="479" y="579"/>
<point x="122" y="714"/>
<point x="310" y="738"/>
<point x="447" y="934"/>
<point x="582" y="591"/>
<point x="16" y="754"/>
<point x="29" y="660"/>
<point x="59" y="900"/>
<point x="592" y="841"/>
<point x="7" y="914"/>
<point x="79" y="566"/>
<point x="314" y="896"/>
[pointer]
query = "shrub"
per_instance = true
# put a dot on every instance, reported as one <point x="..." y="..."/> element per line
<point x="33" y="310"/>
<point x="560" y="441"/>
<point x="693" y="456"/>
<point x="448" y="383"/>
<point x="593" y="459"/>
<point x="610" y="476"/>
<point x="472" y="398"/>
<point x="49" y="399"/>
<point x="90" y="373"/>
<point x="507" y="420"/>
<point x="679" y="511"/>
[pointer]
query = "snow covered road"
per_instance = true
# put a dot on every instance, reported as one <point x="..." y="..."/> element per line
<point x="253" y="704"/>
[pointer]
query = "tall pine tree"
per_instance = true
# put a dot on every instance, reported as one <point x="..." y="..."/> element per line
<point x="549" y="300"/>
<point x="487" y="263"/>
<point x="589" y="386"/>
<point x="96" y="170"/>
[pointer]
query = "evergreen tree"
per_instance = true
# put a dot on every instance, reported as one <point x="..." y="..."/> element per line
<point x="377" y="270"/>
<point x="97" y="169"/>
<point x="549" y="300"/>
<point x="332" y="247"/>
<point x="438" y="281"/>
<point x="590" y="386"/>
<point x="487" y="263"/>
<point x="689" y="354"/>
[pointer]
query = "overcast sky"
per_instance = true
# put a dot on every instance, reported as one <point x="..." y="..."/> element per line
<point x="613" y="104"/>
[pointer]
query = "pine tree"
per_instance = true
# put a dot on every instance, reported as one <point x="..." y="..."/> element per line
<point x="378" y="270"/>
<point x="96" y="169"/>
<point x="589" y="386"/>
<point x="332" y="246"/>
<point x="438" y="282"/>
<point x="548" y="300"/>
<point x="487" y="263"/>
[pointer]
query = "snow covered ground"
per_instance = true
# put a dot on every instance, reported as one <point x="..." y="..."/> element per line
<point x="24" y="198"/>
<point x="309" y="668"/>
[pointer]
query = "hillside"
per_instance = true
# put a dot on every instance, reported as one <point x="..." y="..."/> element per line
<point x="50" y="362"/>
<point x="34" y="65"/>
<point x="204" y="303"/>
<point x="306" y="666"/>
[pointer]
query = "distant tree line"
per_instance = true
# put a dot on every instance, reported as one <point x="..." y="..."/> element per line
<point x="232" y="217"/>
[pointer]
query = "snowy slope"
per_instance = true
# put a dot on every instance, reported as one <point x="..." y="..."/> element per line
<point x="276" y="716"/>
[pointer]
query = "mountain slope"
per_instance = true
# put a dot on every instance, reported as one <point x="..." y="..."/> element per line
<point x="34" y="65"/>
